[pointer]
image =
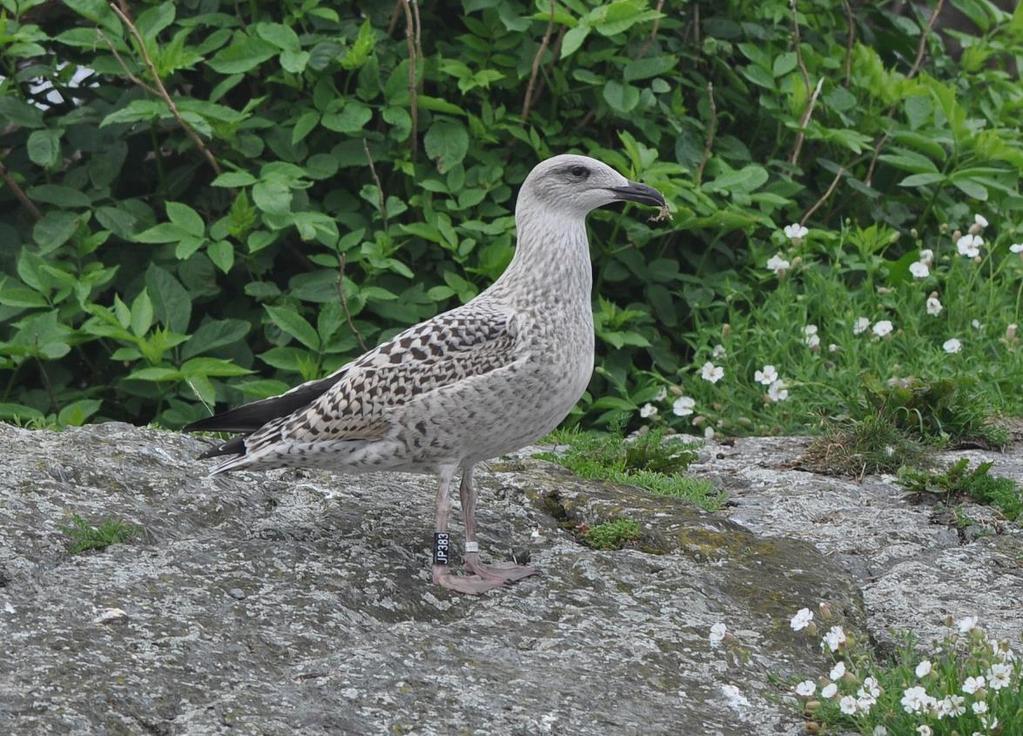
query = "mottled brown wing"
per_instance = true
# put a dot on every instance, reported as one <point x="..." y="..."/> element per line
<point x="449" y="348"/>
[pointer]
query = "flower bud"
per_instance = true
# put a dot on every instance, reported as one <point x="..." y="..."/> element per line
<point x="811" y="706"/>
<point x="825" y="609"/>
<point x="726" y="330"/>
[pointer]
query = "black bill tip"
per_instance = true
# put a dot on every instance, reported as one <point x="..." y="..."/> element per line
<point x="636" y="192"/>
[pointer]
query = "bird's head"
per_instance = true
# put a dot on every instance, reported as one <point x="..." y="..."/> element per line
<point x="574" y="185"/>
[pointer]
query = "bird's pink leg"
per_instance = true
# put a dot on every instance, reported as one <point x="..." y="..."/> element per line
<point x="510" y="574"/>
<point x="442" y="575"/>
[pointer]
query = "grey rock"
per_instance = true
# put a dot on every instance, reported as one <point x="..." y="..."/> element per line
<point x="297" y="602"/>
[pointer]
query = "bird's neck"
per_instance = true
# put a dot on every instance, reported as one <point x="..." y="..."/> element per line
<point x="552" y="258"/>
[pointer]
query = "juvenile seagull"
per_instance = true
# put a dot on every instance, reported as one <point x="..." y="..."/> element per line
<point x="473" y="383"/>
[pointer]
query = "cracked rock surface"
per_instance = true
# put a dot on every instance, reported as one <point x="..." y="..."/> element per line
<point x="300" y="602"/>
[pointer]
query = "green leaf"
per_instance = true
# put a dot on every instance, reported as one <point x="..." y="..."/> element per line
<point x="305" y="123"/>
<point x="216" y="367"/>
<point x="221" y="252"/>
<point x="784" y="63"/>
<point x="136" y="111"/>
<point x="20" y="413"/>
<point x="361" y="47"/>
<point x="21" y="113"/>
<point x="77" y="413"/>
<point x="186" y="218"/>
<point x="244" y="54"/>
<point x="235" y="179"/>
<point x="165" y="232"/>
<point x="156" y="374"/>
<point x="446" y="142"/>
<point x="350" y="119"/>
<point x="154" y="20"/>
<point x="279" y="35"/>
<point x="55" y="229"/>
<point x="171" y="303"/>
<point x="621" y="97"/>
<point x="573" y="40"/>
<point x="272" y="196"/>
<point x="44" y="147"/>
<point x="970" y="188"/>
<point x="214" y="334"/>
<point x="292" y="323"/>
<point x="919" y="180"/>
<point x="649" y="67"/>
<point x="141" y="314"/>
<point x="59" y="196"/>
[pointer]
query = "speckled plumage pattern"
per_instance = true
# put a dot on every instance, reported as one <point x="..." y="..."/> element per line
<point x="473" y="383"/>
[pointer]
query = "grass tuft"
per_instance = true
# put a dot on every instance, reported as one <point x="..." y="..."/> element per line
<point x="84" y="536"/>
<point x="613" y="534"/>
<point x="959" y="481"/>
<point x="858" y="447"/>
<point x="650" y="462"/>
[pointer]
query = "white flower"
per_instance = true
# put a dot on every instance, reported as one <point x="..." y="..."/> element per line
<point x="662" y="394"/>
<point x="919" y="269"/>
<point x="924" y="731"/>
<point x="1016" y="247"/>
<point x="833" y="348"/>
<point x="648" y="410"/>
<point x="718" y="352"/>
<point x="683" y="406"/>
<point x="708" y="433"/>
<point x="882" y="328"/>
<point x="848" y="705"/>
<point x="990" y="722"/>
<point x="934" y="306"/>
<point x="767" y="376"/>
<point x="916" y="699"/>
<point x="968" y="624"/>
<point x="950" y="346"/>
<point x="979" y="707"/>
<point x="778" y="264"/>
<point x="834" y="638"/>
<point x="810" y="337"/>
<point x="969" y="245"/>
<point x="880" y="731"/>
<point x="711" y="372"/>
<point x="829" y="690"/>
<point x="973" y="684"/>
<point x="980" y="220"/>
<point x="717" y="634"/>
<point x="860" y="325"/>
<point x="777" y="391"/>
<point x="837" y="671"/>
<point x="810" y="330"/>
<point x="998" y="676"/>
<point x="924" y="668"/>
<point x="927" y="256"/>
<point x="870" y="687"/>
<point x="795" y="231"/>
<point x="802" y="619"/>
<point x="806" y="688"/>
<point x="951" y="706"/>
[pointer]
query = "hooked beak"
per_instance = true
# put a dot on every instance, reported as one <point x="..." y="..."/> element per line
<point x="636" y="192"/>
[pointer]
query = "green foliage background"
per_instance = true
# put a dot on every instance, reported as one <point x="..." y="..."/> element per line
<point x="156" y="257"/>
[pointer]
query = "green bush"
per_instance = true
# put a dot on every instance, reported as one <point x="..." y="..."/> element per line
<point x="208" y="201"/>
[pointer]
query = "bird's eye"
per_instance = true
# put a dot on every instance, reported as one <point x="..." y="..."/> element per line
<point x="580" y="172"/>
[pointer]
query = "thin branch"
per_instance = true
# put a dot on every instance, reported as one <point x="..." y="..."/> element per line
<point x="161" y="89"/>
<point x="824" y="197"/>
<point x="799" y="50"/>
<point x="394" y="17"/>
<point x="913" y="71"/>
<point x="653" y="31"/>
<point x="527" y="102"/>
<point x="873" y="159"/>
<point x="19" y="193"/>
<point x="413" y="65"/>
<point x="342" y="260"/>
<point x="804" y="121"/>
<point x="419" y="40"/>
<point x="921" y="47"/>
<point x="128" y="72"/>
<point x="849" y="41"/>
<point x="376" y="179"/>
<point x="712" y="125"/>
